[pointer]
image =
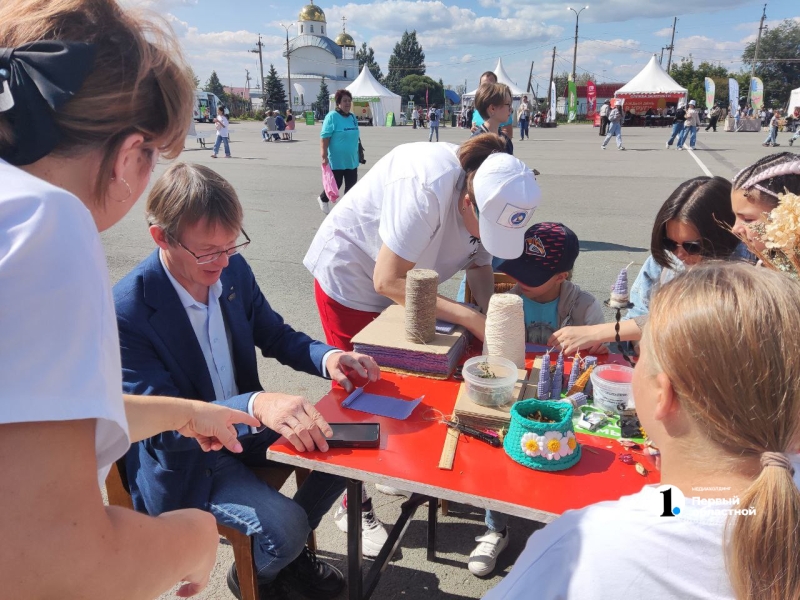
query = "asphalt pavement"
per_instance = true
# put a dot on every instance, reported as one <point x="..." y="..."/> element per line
<point x="608" y="197"/>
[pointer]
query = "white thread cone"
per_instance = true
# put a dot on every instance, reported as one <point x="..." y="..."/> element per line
<point x="505" y="329"/>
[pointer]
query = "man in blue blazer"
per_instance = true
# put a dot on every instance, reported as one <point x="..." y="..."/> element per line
<point x="190" y="318"/>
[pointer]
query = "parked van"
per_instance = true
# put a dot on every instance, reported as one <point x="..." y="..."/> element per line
<point x="205" y="106"/>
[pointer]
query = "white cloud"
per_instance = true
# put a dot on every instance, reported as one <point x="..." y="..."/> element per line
<point x="611" y="10"/>
<point x="666" y="32"/>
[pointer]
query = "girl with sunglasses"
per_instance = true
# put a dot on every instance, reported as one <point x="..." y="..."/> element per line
<point x="689" y="228"/>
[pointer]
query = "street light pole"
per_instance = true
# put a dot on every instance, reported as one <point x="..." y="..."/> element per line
<point x="575" y="54"/>
<point x="288" y="62"/>
<point x="257" y="50"/>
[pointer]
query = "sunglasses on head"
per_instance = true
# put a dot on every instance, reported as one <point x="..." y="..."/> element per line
<point x="688" y="247"/>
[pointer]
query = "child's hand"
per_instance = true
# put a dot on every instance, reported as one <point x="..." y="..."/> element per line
<point x="571" y="339"/>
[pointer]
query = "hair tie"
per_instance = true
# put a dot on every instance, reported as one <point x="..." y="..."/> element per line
<point x="40" y="78"/>
<point x="776" y="459"/>
<point x="791" y="167"/>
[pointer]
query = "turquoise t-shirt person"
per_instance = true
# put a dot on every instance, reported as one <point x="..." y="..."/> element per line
<point x="541" y="320"/>
<point x="343" y="133"/>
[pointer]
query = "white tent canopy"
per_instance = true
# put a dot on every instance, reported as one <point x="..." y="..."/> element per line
<point x="381" y="100"/>
<point x="652" y="81"/>
<point x="502" y="77"/>
<point x="794" y="101"/>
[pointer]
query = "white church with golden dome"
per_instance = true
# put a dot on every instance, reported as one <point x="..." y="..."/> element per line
<point x="314" y="55"/>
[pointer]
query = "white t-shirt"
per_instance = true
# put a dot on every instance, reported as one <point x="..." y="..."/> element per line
<point x="222" y="126"/>
<point x="408" y="201"/>
<point x="59" y="347"/>
<point x="624" y="549"/>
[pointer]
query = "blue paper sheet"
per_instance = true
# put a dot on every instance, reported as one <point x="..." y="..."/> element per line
<point x="444" y="327"/>
<point x="383" y="406"/>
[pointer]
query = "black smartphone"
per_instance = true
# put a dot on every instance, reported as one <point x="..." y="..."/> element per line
<point x="355" y="435"/>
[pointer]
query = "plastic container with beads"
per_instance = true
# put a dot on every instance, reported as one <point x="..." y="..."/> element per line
<point x="490" y="380"/>
<point x="538" y="445"/>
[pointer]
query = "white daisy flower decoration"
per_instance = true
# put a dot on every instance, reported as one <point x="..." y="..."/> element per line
<point x="555" y="445"/>
<point x="532" y="444"/>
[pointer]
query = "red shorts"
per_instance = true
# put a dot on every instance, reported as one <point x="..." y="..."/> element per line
<point x="339" y="322"/>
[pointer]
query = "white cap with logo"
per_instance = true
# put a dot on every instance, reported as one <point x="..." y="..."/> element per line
<point x="506" y="194"/>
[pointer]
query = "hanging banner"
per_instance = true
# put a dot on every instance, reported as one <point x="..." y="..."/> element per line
<point x="572" y="111"/>
<point x="756" y="93"/>
<point x="710" y="92"/>
<point x="733" y="95"/>
<point x="551" y="111"/>
<point x="591" y="99"/>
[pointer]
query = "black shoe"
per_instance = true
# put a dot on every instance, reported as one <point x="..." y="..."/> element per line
<point x="274" y="590"/>
<point x="312" y="577"/>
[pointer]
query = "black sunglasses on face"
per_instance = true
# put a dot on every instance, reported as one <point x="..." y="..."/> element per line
<point x="688" y="247"/>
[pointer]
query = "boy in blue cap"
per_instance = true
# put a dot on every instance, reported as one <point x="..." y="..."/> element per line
<point x="543" y="274"/>
<point x="551" y="301"/>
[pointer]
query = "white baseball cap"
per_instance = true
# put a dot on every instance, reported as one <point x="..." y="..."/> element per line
<point x="506" y="194"/>
<point x="692" y="103"/>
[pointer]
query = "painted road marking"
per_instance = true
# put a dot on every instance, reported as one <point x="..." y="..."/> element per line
<point x="699" y="162"/>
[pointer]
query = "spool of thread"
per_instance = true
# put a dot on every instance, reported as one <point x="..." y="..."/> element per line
<point x="421" y="288"/>
<point x="505" y="329"/>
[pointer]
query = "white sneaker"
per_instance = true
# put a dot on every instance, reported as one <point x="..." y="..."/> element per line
<point x="667" y="145"/>
<point x="484" y="558"/>
<point x="391" y="491"/>
<point x="373" y="533"/>
<point x="324" y="206"/>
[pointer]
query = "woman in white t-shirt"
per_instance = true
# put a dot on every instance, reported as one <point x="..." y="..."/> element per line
<point x="423" y="206"/>
<point x="716" y="390"/>
<point x="81" y="128"/>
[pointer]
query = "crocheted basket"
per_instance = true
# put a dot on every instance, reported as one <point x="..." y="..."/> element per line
<point x="542" y="446"/>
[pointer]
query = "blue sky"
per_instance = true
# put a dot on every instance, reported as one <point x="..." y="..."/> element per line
<point x="463" y="38"/>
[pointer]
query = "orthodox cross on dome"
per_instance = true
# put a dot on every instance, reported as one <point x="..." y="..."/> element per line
<point x="344" y="20"/>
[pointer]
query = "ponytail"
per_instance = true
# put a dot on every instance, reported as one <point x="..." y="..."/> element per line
<point x="474" y="151"/>
<point x="743" y="392"/>
<point x="762" y="546"/>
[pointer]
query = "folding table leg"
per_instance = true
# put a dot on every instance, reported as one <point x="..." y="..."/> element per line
<point x="433" y="505"/>
<point x="354" y="560"/>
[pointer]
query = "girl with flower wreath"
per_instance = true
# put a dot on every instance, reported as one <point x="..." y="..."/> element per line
<point x="756" y="189"/>
<point x="725" y="522"/>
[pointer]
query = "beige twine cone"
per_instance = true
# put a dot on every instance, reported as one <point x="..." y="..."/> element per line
<point x="422" y="286"/>
<point x="505" y="329"/>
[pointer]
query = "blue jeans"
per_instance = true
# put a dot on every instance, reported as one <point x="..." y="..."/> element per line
<point x="772" y="138"/>
<point x="614" y="129"/>
<point x="436" y="129"/>
<point x="496" y="521"/>
<point x="524" y="129"/>
<point x="691" y="133"/>
<point x="677" y="128"/>
<point x="280" y="525"/>
<point x="222" y="140"/>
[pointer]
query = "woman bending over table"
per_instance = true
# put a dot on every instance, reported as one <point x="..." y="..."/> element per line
<point x="720" y="400"/>
<point x="425" y="206"/>
<point x="687" y="230"/>
<point x="91" y="95"/>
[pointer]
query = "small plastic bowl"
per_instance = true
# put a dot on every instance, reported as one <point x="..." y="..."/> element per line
<point x="612" y="388"/>
<point x="490" y="391"/>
